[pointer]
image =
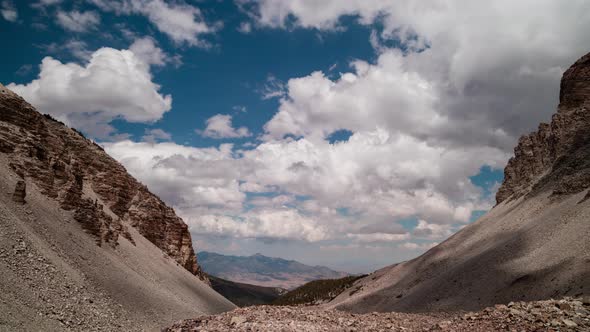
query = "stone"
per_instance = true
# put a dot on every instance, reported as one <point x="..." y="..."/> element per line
<point x="569" y="323"/>
<point x="237" y="320"/>
<point x="20" y="192"/>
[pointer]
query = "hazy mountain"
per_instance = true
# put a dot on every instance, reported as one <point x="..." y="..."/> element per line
<point x="263" y="271"/>
<point x="532" y="245"/>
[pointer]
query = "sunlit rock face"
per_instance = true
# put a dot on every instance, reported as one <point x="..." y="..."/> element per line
<point x="75" y="171"/>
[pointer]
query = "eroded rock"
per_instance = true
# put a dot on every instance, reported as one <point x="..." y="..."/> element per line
<point x="77" y="173"/>
<point x="557" y="155"/>
<point x="20" y="192"/>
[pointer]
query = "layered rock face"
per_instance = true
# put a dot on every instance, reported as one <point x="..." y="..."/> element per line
<point x="557" y="155"/>
<point x="77" y="173"/>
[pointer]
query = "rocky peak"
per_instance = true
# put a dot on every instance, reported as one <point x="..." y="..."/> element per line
<point x="83" y="179"/>
<point x="557" y="156"/>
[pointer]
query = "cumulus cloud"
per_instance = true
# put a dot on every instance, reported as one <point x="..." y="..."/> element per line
<point x="113" y="84"/>
<point x="77" y="48"/>
<point x="469" y="80"/>
<point x="199" y="180"/>
<point x="77" y="21"/>
<point x="220" y="126"/>
<point x="375" y="186"/>
<point x="480" y="65"/>
<point x="182" y="22"/>
<point x="8" y="11"/>
<point x="431" y="231"/>
<point x="156" y="135"/>
<point x="145" y="48"/>
<point x="276" y="224"/>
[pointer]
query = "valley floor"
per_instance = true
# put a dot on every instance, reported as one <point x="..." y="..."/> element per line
<point x="551" y="315"/>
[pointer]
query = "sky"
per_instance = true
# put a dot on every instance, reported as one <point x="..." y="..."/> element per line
<point x="347" y="133"/>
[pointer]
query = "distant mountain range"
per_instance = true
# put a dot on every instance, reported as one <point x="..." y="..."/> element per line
<point x="263" y="271"/>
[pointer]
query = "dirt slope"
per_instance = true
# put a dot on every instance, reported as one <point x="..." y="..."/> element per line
<point x="533" y="245"/>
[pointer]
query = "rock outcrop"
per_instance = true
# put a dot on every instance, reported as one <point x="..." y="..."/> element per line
<point x="77" y="173"/>
<point x="557" y="155"/>
<point x="20" y="192"/>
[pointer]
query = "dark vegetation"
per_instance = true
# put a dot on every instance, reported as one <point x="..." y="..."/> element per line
<point x="244" y="295"/>
<point x="317" y="291"/>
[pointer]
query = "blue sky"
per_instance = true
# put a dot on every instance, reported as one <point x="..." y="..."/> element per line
<point x="343" y="133"/>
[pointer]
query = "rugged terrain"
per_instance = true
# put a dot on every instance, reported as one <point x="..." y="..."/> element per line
<point x="553" y="315"/>
<point x="317" y="291"/>
<point x="244" y="295"/>
<point x="83" y="245"/>
<point x="532" y="245"/>
<point x="263" y="271"/>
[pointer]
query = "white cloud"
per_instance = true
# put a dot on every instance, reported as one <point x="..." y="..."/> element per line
<point x="198" y="180"/>
<point x="47" y="2"/>
<point x="282" y="224"/>
<point x="113" y="84"/>
<point x="273" y="88"/>
<point x="8" y="11"/>
<point x="155" y="135"/>
<point x="472" y="78"/>
<point x="183" y="23"/>
<point x="220" y="126"/>
<point x="378" y="237"/>
<point x="431" y="231"/>
<point x="417" y="246"/>
<point x="494" y="66"/>
<point x="77" y="48"/>
<point x="379" y="178"/>
<point x="77" y="21"/>
<point x="245" y="27"/>
<point x="145" y="48"/>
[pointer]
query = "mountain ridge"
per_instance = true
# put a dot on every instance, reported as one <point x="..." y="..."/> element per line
<point x="83" y="245"/>
<point x="63" y="163"/>
<point x="262" y="270"/>
<point x="533" y="245"/>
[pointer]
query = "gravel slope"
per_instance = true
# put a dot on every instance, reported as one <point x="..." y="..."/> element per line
<point x="562" y="315"/>
<point x="529" y="249"/>
<point x="54" y="277"/>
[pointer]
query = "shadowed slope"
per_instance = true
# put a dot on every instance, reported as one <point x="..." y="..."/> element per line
<point x="532" y="245"/>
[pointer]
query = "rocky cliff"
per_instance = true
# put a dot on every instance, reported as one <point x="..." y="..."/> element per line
<point x="533" y="245"/>
<point x="76" y="172"/>
<point x="557" y="154"/>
